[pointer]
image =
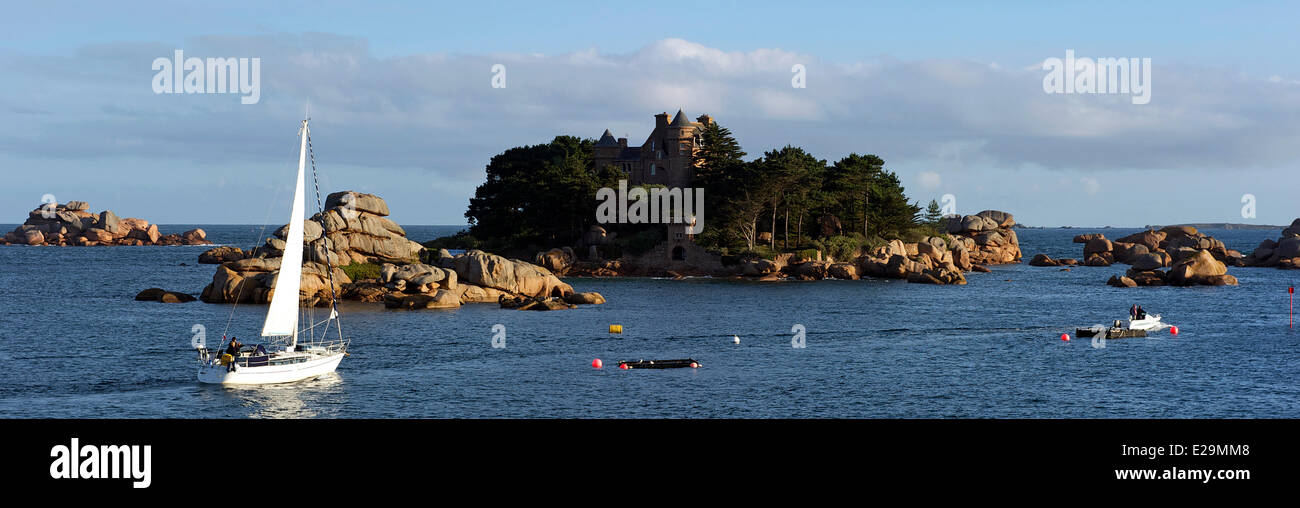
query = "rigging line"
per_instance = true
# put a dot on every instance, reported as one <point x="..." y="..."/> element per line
<point x="329" y="269"/>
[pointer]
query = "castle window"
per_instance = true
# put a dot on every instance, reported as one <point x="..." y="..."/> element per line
<point x="652" y="168"/>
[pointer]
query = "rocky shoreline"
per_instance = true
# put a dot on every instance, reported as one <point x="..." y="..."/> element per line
<point x="970" y="244"/>
<point x="72" y="224"/>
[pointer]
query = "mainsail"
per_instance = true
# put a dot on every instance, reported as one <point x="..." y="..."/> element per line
<point x="282" y="316"/>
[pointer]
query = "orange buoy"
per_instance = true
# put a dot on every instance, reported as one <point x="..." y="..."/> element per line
<point x="1173" y="330"/>
<point x="1065" y="337"/>
<point x="596" y="364"/>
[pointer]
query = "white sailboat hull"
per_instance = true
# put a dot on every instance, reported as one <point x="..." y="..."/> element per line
<point x="316" y="366"/>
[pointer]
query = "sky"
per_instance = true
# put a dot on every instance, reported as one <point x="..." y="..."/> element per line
<point x="950" y="94"/>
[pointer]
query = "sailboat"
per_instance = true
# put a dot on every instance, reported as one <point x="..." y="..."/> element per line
<point x="287" y="357"/>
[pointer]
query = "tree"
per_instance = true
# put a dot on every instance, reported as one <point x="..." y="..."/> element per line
<point x="787" y="172"/>
<point x="849" y="184"/>
<point x="933" y="214"/>
<point x="730" y="189"/>
<point x="539" y="194"/>
<point x="889" y="212"/>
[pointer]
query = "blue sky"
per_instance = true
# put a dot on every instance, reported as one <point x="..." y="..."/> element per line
<point x="948" y="93"/>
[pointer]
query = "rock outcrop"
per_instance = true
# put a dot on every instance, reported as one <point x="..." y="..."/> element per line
<point x="223" y="254"/>
<point x="987" y="236"/>
<point x="1193" y="258"/>
<point x="357" y="231"/>
<point x="972" y="241"/>
<point x="1283" y="253"/>
<point x="931" y="261"/>
<point x="1200" y="268"/>
<point x="1166" y="246"/>
<point x="72" y="223"/>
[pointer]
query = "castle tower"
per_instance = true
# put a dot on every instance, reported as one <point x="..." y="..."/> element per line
<point x="667" y="157"/>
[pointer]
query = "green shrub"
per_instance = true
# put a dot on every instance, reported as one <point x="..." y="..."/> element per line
<point x="760" y="251"/>
<point x="842" y="247"/>
<point x="358" y="271"/>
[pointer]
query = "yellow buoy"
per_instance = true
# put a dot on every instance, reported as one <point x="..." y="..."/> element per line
<point x="615" y="328"/>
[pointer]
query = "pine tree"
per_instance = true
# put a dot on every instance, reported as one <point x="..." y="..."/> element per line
<point x="933" y="214"/>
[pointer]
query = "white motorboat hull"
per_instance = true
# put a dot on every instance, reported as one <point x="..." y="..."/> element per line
<point x="1149" y="323"/>
<point x="216" y="373"/>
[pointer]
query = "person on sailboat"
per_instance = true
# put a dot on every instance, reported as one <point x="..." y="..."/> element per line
<point x="233" y="351"/>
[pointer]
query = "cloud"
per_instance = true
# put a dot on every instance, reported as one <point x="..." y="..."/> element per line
<point x="412" y="110"/>
<point x="438" y="113"/>
<point x="929" y="179"/>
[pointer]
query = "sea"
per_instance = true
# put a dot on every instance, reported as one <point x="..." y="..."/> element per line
<point x="75" y="344"/>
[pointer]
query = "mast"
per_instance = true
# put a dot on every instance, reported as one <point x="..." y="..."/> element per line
<point x="282" y="316"/>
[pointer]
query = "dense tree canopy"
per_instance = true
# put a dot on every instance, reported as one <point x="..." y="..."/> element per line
<point x="544" y="196"/>
<point x="539" y="194"/>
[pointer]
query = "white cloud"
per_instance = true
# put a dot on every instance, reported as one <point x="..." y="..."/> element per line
<point x="929" y="180"/>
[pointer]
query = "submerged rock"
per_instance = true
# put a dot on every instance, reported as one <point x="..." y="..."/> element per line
<point x="164" y="296"/>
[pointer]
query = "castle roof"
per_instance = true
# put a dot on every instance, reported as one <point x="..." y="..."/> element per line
<point x="607" y="139"/>
<point x="680" y="119"/>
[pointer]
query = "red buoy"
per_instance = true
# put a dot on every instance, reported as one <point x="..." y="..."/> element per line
<point x="695" y="365"/>
<point x="1173" y="330"/>
<point x="1065" y="337"/>
<point x="623" y="366"/>
<point x="596" y="364"/>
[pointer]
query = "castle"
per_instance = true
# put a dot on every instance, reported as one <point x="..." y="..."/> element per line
<point x="667" y="157"/>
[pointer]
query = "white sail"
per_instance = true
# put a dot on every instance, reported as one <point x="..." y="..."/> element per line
<point x="282" y="316"/>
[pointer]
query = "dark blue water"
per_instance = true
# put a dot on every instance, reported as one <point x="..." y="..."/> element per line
<point x="75" y="344"/>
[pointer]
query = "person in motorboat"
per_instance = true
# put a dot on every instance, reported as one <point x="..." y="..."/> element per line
<point x="1133" y="311"/>
<point x="233" y="351"/>
<point x="1141" y="314"/>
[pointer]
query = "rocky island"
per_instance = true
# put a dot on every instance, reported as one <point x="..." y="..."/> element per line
<point x="786" y="214"/>
<point x="72" y="223"/>
<point x="1192" y="257"/>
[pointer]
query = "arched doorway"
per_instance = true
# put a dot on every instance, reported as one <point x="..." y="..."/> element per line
<point x="679" y="253"/>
